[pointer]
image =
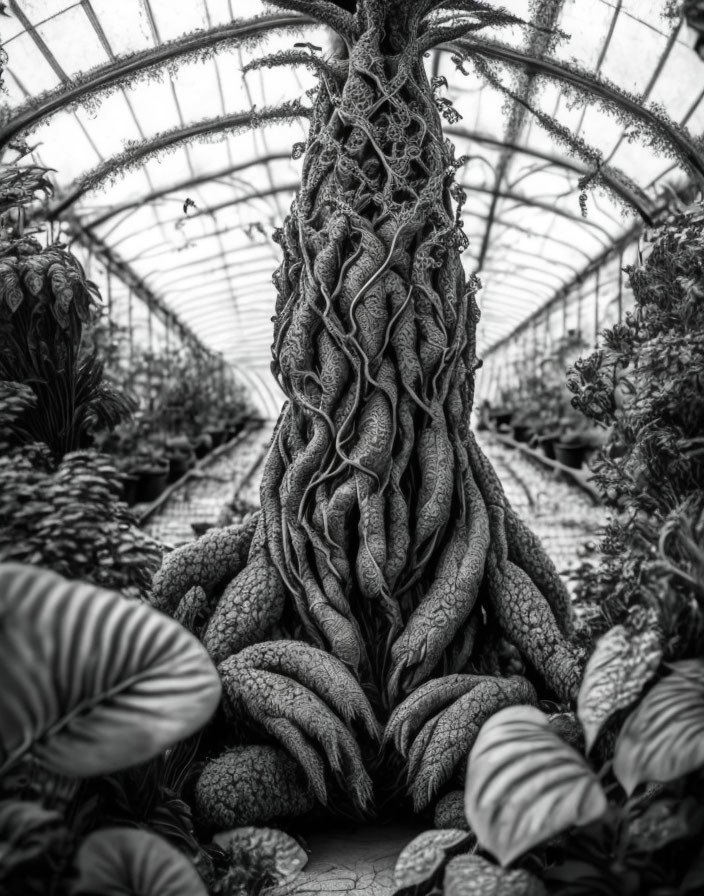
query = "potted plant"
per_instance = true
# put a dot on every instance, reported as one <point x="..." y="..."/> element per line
<point x="180" y="455"/>
<point x="150" y="466"/>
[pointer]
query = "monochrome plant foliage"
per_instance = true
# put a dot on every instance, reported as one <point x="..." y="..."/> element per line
<point x="385" y="545"/>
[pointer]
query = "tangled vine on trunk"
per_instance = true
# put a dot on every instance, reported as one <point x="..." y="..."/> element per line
<point x="385" y="540"/>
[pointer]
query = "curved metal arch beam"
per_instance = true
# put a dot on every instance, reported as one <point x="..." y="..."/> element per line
<point x="207" y="259"/>
<point x="527" y="231"/>
<point x="473" y="136"/>
<point x="518" y="268"/>
<point x="260" y="194"/>
<point x="595" y="264"/>
<point x="169" y="249"/>
<point x="510" y="298"/>
<point x="584" y="81"/>
<point x="137" y="65"/>
<point x="258" y="385"/>
<point x="262" y="273"/>
<point x="550" y="262"/>
<point x="185" y="184"/>
<point x="159" y="142"/>
<point x="291" y="188"/>
<point x="526" y="201"/>
<point x="637" y="202"/>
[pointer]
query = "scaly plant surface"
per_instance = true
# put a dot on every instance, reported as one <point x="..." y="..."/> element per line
<point x="385" y="542"/>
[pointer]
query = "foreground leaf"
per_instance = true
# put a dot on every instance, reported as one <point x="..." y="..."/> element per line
<point x="663" y="738"/>
<point x="423" y="857"/>
<point x="622" y="663"/>
<point x="475" y="876"/>
<point x="525" y="784"/>
<point x="93" y="682"/>
<point x="129" y="862"/>
<point x="272" y="851"/>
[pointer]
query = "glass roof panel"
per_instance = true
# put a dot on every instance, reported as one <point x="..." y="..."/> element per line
<point x="83" y="51"/>
<point x="213" y="263"/>
<point x="172" y="18"/>
<point x="125" y="25"/>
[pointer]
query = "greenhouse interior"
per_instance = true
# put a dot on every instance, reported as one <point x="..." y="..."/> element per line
<point x="352" y="447"/>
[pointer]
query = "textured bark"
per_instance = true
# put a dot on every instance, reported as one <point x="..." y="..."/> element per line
<point x="383" y="524"/>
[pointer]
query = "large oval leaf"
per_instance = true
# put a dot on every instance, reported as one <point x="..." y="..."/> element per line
<point x="93" y="682"/>
<point x="424" y="856"/>
<point x="267" y="851"/>
<point x="622" y="663"/>
<point x="525" y="784"/>
<point x="663" y="738"/>
<point x="133" y="862"/>
<point x="475" y="876"/>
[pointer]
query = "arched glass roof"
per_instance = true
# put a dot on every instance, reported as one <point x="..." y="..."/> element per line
<point x="148" y="98"/>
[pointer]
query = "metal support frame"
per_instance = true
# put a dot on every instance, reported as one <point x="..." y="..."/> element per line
<point x="113" y="263"/>
<point x="139" y="64"/>
<point x="616" y="248"/>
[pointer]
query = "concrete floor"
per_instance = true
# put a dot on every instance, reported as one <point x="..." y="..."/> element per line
<point x="560" y="513"/>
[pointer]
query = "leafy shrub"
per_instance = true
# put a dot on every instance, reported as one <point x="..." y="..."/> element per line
<point x="530" y="794"/>
<point x="647" y="383"/>
<point x="92" y="683"/>
<point x="45" y="302"/>
<point x="67" y="516"/>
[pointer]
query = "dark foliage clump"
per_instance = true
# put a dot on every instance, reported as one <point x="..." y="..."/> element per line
<point x="67" y="515"/>
<point x="647" y="382"/>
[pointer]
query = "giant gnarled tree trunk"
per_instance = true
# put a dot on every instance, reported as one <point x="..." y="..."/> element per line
<point x="384" y="538"/>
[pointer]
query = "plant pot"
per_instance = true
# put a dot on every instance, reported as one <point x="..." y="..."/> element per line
<point x="570" y="455"/>
<point x="218" y="436"/>
<point x="151" y="484"/>
<point x="501" y="418"/>
<point x="179" y="465"/>
<point x="129" y="490"/>
<point x="548" y="446"/>
<point x="521" y="433"/>
<point x="202" y="445"/>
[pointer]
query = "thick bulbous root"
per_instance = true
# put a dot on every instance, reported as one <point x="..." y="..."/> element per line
<point x="436" y="737"/>
<point x="385" y="536"/>
<point x="208" y="562"/>
<point x="250" y="785"/>
<point x="308" y="701"/>
<point x="247" y="610"/>
<point x="527" y="621"/>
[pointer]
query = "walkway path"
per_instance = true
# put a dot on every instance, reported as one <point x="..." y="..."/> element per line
<point x="205" y="491"/>
<point x="558" y="512"/>
<point x="362" y="860"/>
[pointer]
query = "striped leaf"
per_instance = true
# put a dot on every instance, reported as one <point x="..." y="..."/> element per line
<point x="663" y="738"/>
<point x="525" y="784"/>
<point x="93" y="682"/>
<point x="622" y="663"/>
<point x="130" y="862"/>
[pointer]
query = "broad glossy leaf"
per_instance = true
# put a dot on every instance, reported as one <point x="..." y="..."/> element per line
<point x="425" y="854"/>
<point x="271" y="850"/>
<point x="93" y="682"/>
<point x="133" y="862"/>
<point x="622" y="663"/>
<point x="475" y="876"/>
<point x="663" y="738"/>
<point x="525" y="784"/>
<point x="24" y="830"/>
